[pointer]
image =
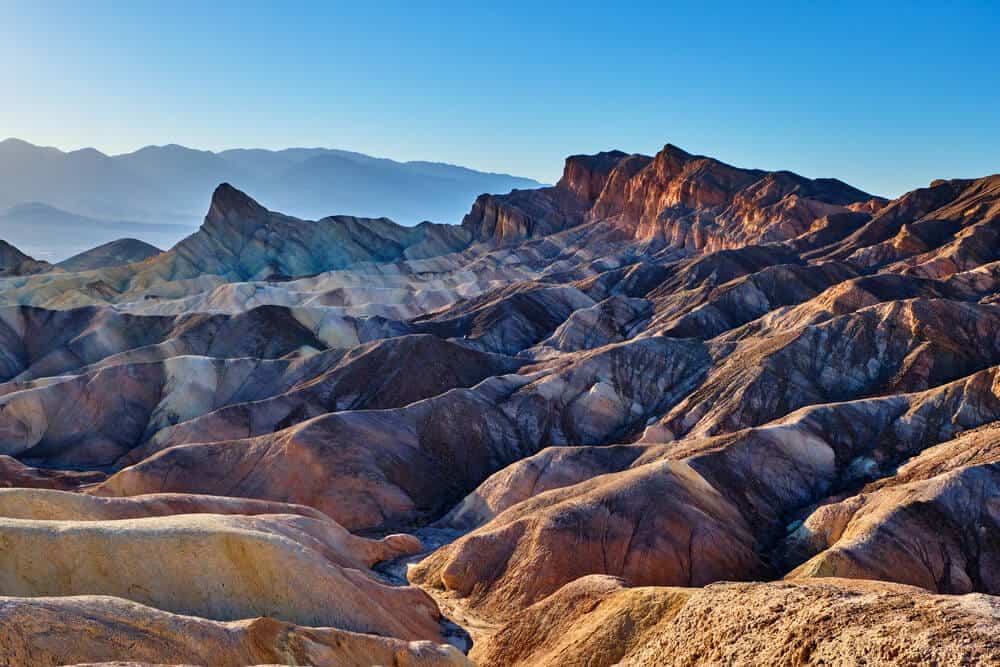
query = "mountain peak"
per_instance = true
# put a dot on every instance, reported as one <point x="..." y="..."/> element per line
<point x="229" y="203"/>
<point x="15" y="142"/>
<point x="88" y="153"/>
<point x="672" y="154"/>
<point x="672" y="149"/>
<point x="19" y="147"/>
<point x="585" y="175"/>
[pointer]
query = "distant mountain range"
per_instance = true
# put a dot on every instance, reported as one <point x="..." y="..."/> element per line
<point x="173" y="184"/>
<point x="52" y="234"/>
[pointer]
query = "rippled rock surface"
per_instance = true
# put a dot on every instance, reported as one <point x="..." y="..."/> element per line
<point x="566" y="421"/>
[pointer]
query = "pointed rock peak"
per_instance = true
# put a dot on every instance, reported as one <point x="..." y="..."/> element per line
<point x="676" y="153"/>
<point x="672" y="160"/>
<point x="228" y="203"/>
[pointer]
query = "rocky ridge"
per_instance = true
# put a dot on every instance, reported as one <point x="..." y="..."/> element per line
<point x="604" y="397"/>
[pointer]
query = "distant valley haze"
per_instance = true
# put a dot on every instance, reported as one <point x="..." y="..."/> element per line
<point x="54" y="203"/>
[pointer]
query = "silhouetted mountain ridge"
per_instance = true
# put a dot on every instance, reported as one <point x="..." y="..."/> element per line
<point x="172" y="183"/>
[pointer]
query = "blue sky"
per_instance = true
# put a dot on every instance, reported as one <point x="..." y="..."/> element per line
<point x="886" y="96"/>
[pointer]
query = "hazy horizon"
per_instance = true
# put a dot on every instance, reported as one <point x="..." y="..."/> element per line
<point x="88" y="198"/>
<point x="201" y="149"/>
<point x="867" y="94"/>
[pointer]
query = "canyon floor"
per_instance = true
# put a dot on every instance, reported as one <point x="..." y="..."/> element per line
<point x="666" y="412"/>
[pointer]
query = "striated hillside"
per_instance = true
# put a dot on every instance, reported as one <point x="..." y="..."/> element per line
<point x="675" y="198"/>
<point x="667" y="411"/>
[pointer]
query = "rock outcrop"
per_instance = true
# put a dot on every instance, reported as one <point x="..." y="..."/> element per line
<point x="675" y="199"/>
<point x="530" y="213"/>
<point x="240" y="240"/>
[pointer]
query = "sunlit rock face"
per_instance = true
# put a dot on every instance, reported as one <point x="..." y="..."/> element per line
<point x="674" y="198"/>
<point x="564" y="421"/>
<point x="530" y="213"/>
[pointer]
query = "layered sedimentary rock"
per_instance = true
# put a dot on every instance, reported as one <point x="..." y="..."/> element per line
<point x="933" y="524"/>
<point x="674" y="198"/>
<point x="730" y="498"/>
<point x="405" y="463"/>
<point x="607" y="524"/>
<point x="193" y="398"/>
<point x="223" y="567"/>
<point x="666" y="370"/>
<point x="530" y="213"/>
<point x="15" y="474"/>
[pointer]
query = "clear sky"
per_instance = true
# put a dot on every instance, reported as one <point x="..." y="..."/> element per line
<point x="886" y="96"/>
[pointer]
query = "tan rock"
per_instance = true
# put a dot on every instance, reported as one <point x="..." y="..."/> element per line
<point x="595" y="621"/>
<point x="221" y="567"/>
<point x="108" y="630"/>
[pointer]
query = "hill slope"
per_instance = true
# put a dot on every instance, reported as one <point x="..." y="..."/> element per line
<point x="121" y="251"/>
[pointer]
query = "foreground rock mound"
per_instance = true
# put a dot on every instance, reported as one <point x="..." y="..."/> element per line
<point x="595" y="621"/>
<point x="293" y="568"/>
<point x="97" y="629"/>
